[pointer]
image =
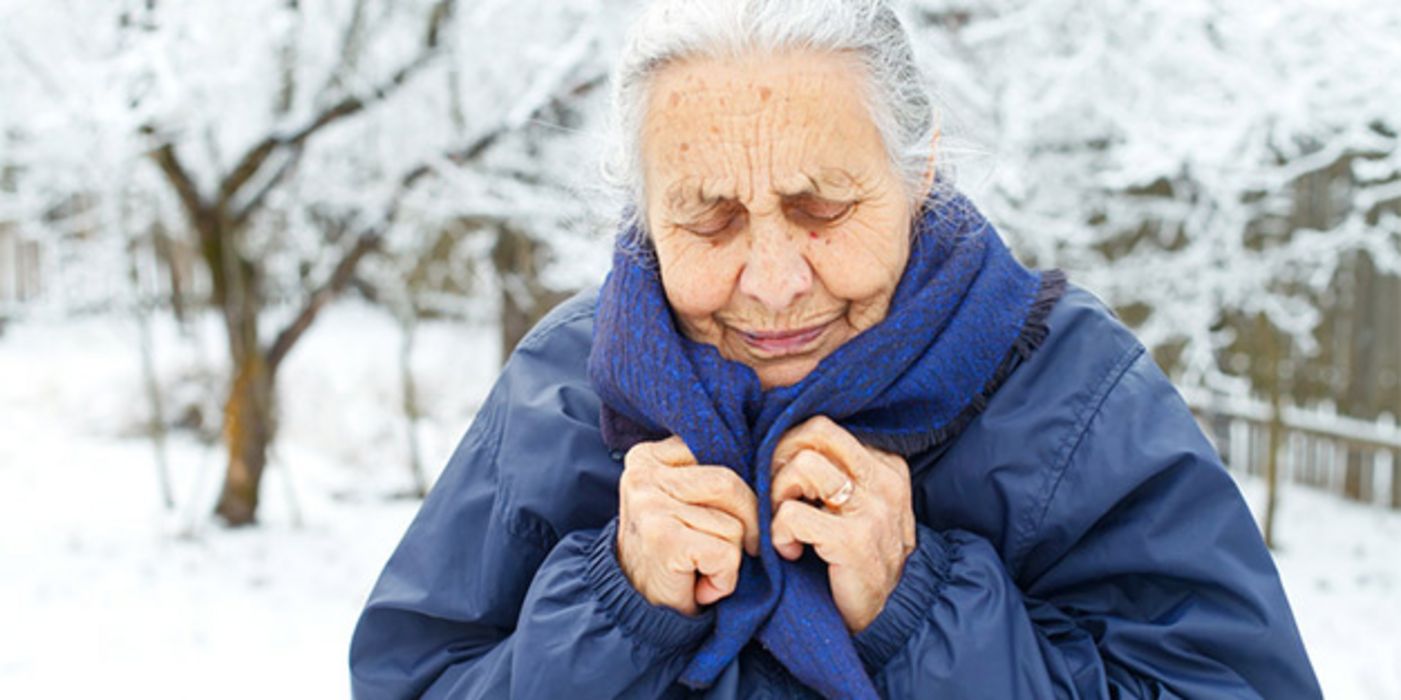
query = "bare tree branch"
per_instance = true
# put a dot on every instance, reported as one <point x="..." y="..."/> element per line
<point x="179" y="178"/>
<point x="370" y="240"/>
<point x="340" y="277"/>
<point x="351" y="46"/>
<point x="251" y="205"/>
<point x="247" y="167"/>
<point x="256" y="157"/>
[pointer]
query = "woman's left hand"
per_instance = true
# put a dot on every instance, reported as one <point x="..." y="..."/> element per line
<point x="864" y="527"/>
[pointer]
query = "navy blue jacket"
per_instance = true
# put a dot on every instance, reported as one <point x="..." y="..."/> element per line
<point x="1080" y="539"/>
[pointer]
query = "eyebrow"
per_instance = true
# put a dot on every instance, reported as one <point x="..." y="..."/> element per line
<point x="681" y="194"/>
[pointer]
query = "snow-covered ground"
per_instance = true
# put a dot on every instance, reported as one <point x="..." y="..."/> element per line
<point x="1341" y="564"/>
<point x="107" y="593"/>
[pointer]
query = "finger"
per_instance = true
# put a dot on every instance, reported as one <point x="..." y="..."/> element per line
<point x="718" y="564"/>
<point x="707" y="593"/>
<point x="798" y="523"/>
<point x="716" y="487"/>
<point x="673" y="452"/>
<point x="668" y="576"/>
<point x="809" y="475"/>
<point x="823" y="435"/>
<point x="711" y="521"/>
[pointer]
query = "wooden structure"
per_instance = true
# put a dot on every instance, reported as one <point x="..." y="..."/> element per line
<point x="1355" y="459"/>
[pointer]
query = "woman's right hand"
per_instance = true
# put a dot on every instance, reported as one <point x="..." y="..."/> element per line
<point x="677" y="519"/>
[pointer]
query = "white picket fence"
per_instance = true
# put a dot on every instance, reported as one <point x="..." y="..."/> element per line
<point x="19" y="272"/>
<point x="1355" y="459"/>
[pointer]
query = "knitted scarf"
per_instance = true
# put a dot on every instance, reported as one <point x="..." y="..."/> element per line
<point x="963" y="315"/>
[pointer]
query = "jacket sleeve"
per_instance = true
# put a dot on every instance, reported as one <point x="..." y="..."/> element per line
<point x="482" y="599"/>
<point x="1141" y="575"/>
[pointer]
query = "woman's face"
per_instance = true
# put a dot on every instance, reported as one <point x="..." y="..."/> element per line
<point x="780" y="226"/>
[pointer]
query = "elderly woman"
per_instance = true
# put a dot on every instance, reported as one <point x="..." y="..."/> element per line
<point x="819" y="432"/>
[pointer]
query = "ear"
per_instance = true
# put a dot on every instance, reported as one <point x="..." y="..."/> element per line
<point x="930" y="169"/>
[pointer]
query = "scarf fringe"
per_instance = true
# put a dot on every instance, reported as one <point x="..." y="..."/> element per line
<point x="1033" y="334"/>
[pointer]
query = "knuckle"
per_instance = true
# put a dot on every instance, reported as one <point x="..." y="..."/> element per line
<point x="684" y="553"/>
<point x="628" y="482"/>
<point x="789" y="513"/>
<point x="805" y="464"/>
<point x="779" y="525"/>
<point x="716" y="481"/>
<point x="638" y="464"/>
<point x="730" y="528"/>
<point x="728" y="487"/>
<point x="802" y="460"/>
<point x="783" y="512"/>
<point x="735" y="489"/>
<point x="732" y="559"/>
<point x="638" y="454"/>
<point x="823" y="424"/>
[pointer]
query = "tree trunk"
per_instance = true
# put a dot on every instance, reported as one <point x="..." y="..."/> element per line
<point x="524" y="299"/>
<point x="248" y="430"/>
<point x="248" y="411"/>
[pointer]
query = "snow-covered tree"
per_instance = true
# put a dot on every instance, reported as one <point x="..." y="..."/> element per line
<point x="1200" y="163"/>
<point x="1164" y="151"/>
<point x="290" y="140"/>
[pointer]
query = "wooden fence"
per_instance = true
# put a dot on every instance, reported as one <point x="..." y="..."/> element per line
<point x="1355" y="459"/>
<point x="19" y="271"/>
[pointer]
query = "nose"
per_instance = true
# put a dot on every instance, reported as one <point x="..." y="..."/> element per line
<point x="775" y="272"/>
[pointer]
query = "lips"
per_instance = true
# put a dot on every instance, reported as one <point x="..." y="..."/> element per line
<point x="784" y="342"/>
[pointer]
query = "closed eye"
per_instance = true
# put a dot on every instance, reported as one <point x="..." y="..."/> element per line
<point x="718" y="220"/>
<point x="810" y="211"/>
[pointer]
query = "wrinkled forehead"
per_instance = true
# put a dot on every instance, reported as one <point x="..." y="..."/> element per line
<point x="791" y="123"/>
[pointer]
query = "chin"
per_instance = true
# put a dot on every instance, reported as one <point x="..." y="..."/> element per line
<point x="785" y="374"/>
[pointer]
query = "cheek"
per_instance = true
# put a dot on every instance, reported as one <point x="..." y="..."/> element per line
<point x="699" y="278"/>
<point x="861" y="261"/>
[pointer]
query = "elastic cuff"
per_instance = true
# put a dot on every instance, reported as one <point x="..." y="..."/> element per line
<point x="926" y="571"/>
<point x="657" y="625"/>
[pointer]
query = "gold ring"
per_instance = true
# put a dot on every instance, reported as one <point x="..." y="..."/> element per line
<point x="842" y="495"/>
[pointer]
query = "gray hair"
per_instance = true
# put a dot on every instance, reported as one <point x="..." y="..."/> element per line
<point x="670" y="30"/>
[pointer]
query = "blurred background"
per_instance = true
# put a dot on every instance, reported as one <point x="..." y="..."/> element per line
<point x="260" y="262"/>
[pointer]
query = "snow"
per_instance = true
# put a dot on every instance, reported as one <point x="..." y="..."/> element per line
<point x="106" y="590"/>
<point x="1341" y="565"/>
<point x="108" y="593"/>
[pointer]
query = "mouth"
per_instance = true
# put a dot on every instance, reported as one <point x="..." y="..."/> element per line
<point x="784" y="342"/>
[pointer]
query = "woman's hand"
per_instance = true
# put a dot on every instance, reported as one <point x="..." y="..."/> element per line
<point x="677" y="519"/>
<point x="866" y="529"/>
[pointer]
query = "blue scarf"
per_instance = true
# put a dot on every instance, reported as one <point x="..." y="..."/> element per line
<point x="963" y="315"/>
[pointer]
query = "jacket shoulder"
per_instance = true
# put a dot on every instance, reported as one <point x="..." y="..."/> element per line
<point x="1004" y="462"/>
<point x="1085" y="334"/>
<point x="563" y="328"/>
<point x="554" y="470"/>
